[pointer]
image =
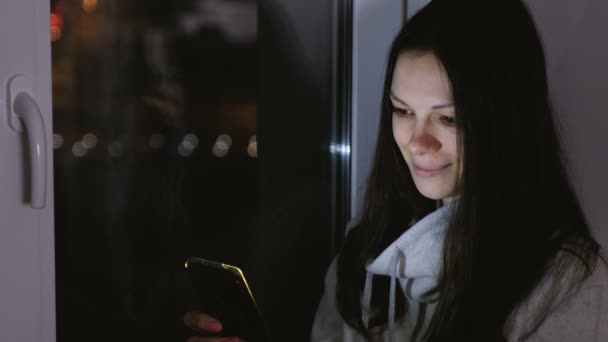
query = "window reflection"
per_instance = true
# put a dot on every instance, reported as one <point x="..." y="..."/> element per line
<point x="169" y="90"/>
<point x="141" y="92"/>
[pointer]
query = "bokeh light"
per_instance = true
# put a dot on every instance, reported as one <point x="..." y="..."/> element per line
<point x="252" y="149"/>
<point x="191" y="139"/>
<point x="185" y="149"/>
<point x="225" y="139"/>
<point x="220" y="149"/>
<point x="57" y="141"/>
<point x="89" y="5"/>
<point x="89" y="140"/>
<point x="78" y="149"/>
<point x="56" y="27"/>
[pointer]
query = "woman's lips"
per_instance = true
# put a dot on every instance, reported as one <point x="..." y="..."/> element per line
<point x="428" y="172"/>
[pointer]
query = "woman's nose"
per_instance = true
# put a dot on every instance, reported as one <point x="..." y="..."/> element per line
<point x="423" y="141"/>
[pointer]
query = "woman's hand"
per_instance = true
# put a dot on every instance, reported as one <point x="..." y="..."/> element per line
<point x="202" y="322"/>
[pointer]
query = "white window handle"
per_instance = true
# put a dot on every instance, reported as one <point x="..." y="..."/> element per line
<point x="21" y="105"/>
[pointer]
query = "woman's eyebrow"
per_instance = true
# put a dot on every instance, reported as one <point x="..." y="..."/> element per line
<point x="394" y="97"/>
<point x="441" y="106"/>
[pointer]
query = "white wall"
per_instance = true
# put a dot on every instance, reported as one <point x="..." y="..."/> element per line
<point x="576" y="47"/>
<point x="375" y="24"/>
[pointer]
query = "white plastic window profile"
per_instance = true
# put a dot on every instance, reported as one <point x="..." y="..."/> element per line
<point x="24" y="115"/>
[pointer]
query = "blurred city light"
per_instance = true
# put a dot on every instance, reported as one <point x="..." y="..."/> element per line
<point x="185" y="149"/>
<point x="225" y="139"/>
<point x="252" y="149"/>
<point x="57" y="141"/>
<point x="56" y="27"/>
<point x="89" y="140"/>
<point x="89" y="5"/>
<point x="187" y="145"/>
<point x="78" y="149"/>
<point x="191" y="139"/>
<point x="220" y="149"/>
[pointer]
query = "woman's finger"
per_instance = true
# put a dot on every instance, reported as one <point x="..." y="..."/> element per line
<point x="202" y="321"/>
<point x="213" y="339"/>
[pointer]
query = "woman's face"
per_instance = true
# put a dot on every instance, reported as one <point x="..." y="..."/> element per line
<point x="424" y="124"/>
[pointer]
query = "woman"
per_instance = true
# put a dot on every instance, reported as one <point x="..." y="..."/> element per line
<point x="471" y="230"/>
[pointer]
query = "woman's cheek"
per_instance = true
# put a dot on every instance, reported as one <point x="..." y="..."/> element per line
<point x="401" y="134"/>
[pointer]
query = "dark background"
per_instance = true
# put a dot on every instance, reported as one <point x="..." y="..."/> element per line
<point x="125" y="222"/>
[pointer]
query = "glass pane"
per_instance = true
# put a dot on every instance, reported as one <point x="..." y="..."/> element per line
<point x="158" y="109"/>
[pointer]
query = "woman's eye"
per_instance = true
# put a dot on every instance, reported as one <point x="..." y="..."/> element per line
<point x="402" y="111"/>
<point x="448" y="120"/>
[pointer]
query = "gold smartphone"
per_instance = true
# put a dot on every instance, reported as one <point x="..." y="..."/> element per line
<point x="222" y="291"/>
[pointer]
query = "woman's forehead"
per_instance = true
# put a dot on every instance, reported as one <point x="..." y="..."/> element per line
<point x="420" y="75"/>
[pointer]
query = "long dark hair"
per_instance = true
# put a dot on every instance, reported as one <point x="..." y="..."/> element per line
<point x="517" y="218"/>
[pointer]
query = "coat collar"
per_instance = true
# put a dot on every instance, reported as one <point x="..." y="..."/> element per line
<point x="420" y="248"/>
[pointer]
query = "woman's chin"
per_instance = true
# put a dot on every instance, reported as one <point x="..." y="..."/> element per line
<point x="433" y="193"/>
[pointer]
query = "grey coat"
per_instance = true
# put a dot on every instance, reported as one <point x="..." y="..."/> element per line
<point x="579" y="315"/>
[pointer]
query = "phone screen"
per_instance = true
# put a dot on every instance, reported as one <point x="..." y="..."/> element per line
<point x="221" y="291"/>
